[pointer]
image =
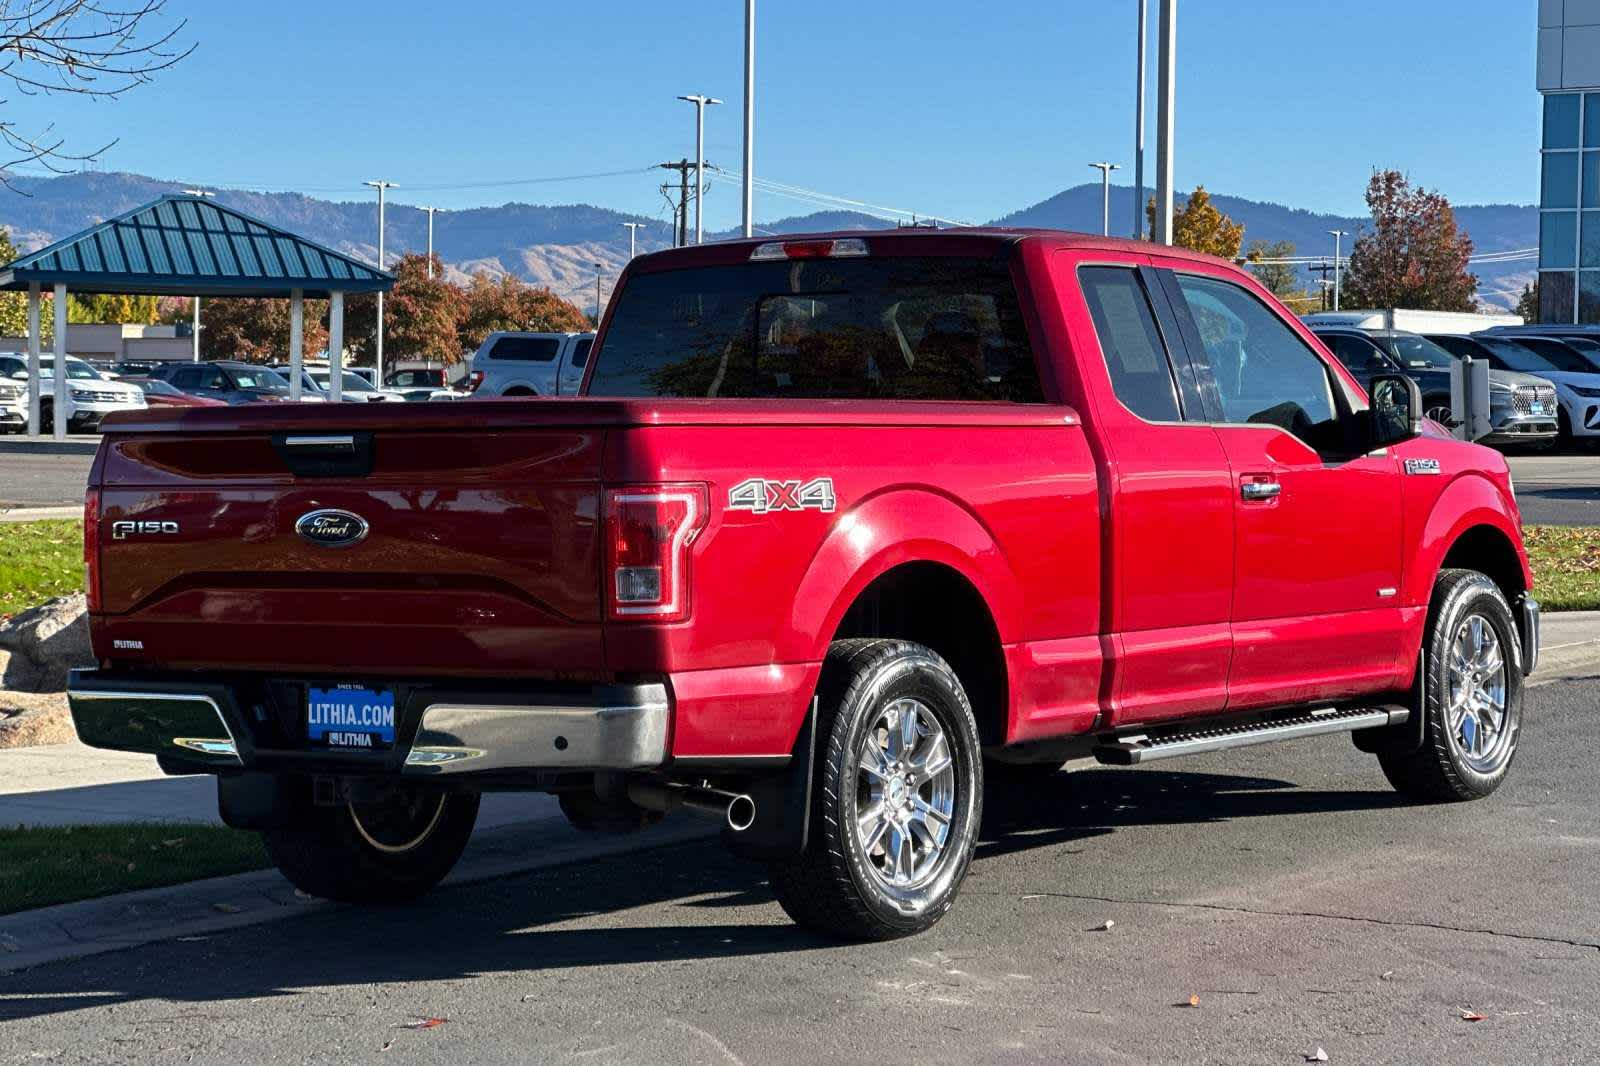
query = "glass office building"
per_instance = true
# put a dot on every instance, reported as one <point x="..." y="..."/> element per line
<point x="1569" y="186"/>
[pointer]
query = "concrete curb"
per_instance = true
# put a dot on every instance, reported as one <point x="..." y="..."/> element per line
<point x="36" y="514"/>
<point x="49" y="446"/>
<point x="201" y="908"/>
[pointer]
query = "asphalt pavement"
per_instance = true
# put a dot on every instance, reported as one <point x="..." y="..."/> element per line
<point x="1285" y="887"/>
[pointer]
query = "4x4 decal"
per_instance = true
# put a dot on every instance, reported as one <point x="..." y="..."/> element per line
<point x="760" y="495"/>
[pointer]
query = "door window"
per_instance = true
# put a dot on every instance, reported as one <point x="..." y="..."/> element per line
<point x="1264" y="373"/>
<point x="1360" y="356"/>
<point x="1141" y="373"/>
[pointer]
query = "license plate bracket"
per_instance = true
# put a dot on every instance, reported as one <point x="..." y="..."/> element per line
<point x="350" y="716"/>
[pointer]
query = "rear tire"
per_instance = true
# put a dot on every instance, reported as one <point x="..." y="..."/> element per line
<point x="386" y="852"/>
<point x="898" y="797"/>
<point x="1472" y="711"/>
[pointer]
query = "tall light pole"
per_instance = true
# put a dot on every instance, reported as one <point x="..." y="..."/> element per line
<point x="1165" y="119"/>
<point x="430" y="211"/>
<point x="749" y="117"/>
<point x="381" y="186"/>
<point x="1338" y="235"/>
<point x="597" y="268"/>
<point x="633" y="237"/>
<point x="202" y="194"/>
<point x="1105" y="195"/>
<point x="700" y="102"/>
<point x="1138" y="124"/>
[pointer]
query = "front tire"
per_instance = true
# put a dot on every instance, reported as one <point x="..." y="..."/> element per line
<point x="1472" y="711"/>
<point x="898" y="797"/>
<point x="389" y="851"/>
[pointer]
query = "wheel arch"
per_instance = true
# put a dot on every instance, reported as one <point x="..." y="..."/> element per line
<point x="1470" y="526"/>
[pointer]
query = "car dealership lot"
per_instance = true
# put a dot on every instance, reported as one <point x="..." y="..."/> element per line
<point x="1287" y="887"/>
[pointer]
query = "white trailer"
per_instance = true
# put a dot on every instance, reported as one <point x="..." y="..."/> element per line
<point x="1455" y="322"/>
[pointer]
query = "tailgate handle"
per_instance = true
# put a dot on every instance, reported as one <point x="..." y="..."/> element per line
<point x="325" y="454"/>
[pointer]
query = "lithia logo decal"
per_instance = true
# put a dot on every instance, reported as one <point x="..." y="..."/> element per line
<point x="760" y="495"/>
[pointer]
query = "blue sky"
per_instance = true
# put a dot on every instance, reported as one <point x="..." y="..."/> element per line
<point x="952" y="108"/>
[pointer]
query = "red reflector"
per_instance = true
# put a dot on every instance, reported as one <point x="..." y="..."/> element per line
<point x="91" y="548"/>
<point x="649" y="529"/>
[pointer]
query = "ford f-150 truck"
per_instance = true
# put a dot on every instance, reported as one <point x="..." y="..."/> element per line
<point x="841" y="527"/>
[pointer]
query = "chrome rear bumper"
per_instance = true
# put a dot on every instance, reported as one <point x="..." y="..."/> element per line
<point x="196" y="726"/>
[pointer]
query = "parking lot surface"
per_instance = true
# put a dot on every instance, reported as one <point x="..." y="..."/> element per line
<point x="1286" y="887"/>
<point x="1558" y="490"/>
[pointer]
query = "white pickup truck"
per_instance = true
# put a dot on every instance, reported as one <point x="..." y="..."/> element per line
<point x="529" y="364"/>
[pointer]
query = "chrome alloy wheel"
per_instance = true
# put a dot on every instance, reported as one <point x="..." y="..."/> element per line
<point x="1479" y="727"/>
<point x="1442" y="415"/>
<point x="905" y="795"/>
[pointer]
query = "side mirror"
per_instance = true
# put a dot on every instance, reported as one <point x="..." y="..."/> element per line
<point x="1396" y="410"/>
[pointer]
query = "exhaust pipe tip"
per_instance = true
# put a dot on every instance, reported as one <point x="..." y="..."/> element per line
<point x="741" y="813"/>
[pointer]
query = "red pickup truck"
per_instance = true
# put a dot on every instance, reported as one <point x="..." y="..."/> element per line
<point x="843" y="525"/>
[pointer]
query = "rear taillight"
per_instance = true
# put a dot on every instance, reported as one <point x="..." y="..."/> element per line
<point x="474" y="379"/>
<point x="91" y="548"/>
<point x="649" y="531"/>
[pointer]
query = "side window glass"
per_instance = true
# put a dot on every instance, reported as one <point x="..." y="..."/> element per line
<point x="1264" y="373"/>
<point x="1141" y="373"/>
<point x="580" y="353"/>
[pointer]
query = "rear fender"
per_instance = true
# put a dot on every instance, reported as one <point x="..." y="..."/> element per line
<point x="885" y="531"/>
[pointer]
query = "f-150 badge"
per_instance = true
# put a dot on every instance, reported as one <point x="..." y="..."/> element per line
<point x="1422" y="466"/>
<point x="760" y="495"/>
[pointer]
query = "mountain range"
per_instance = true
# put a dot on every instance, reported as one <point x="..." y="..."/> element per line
<point x="560" y="245"/>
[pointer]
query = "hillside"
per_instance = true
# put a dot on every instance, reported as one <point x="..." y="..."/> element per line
<point x="558" y="245"/>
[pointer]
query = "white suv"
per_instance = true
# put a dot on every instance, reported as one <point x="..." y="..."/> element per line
<point x="530" y="364"/>
<point x="90" y="394"/>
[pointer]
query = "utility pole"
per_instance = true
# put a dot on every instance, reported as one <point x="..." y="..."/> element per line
<point x="1166" y="104"/>
<point x="633" y="238"/>
<point x="700" y="102"/>
<point x="597" y="308"/>
<point x="202" y="194"/>
<point x="1105" y="195"/>
<point x="1337" y="235"/>
<point x="1322" y="282"/>
<point x="682" y="166"/>
<point x="749" y="116"/>
<point x="430" y="211"/>
<point x="381" y="186"/>
<point x="1138" y="124"/>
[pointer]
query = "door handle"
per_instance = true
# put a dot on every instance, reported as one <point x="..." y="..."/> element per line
<point x="1260" y="490"/>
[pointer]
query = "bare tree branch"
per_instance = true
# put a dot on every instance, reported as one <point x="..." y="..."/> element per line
<point x="93" y="48"/>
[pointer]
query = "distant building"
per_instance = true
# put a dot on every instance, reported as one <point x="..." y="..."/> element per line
<point x="1569" y="196"/>
<point x="116" y="342"/>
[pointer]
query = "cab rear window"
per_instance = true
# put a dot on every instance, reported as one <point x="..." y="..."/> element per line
<point x="933" y="328"/>
<point x="527" y="349"/>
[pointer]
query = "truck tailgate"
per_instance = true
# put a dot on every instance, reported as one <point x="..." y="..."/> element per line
<point x="479" y="556"/>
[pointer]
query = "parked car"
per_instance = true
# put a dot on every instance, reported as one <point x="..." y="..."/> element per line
<point x="529" y="364"/>
<point x="14" y="404"/>
<point x="1574" y="373"/>
<point x="1522" y="407"/>
<point x="423" y="384"/>
<point x="228" y="380"/>
<point x="158" y="393"/>
<point x="90" y="394"/>
<point x="845" y="525"/>
<point x="355" y="387"/>
<point x="310" y="391"/>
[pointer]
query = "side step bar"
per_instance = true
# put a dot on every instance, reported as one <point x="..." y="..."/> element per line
<point x="1143" y="748"/>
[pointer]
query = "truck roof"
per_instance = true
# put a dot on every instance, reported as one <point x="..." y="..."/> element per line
<point x="911" y="240"/>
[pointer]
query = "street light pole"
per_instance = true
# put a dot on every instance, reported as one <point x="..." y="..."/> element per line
<point x="1337" y="235"/>
<point x="700" y="102"/>
<point x="381" y="186"/>
<point x="1166" y="104"/>
<point x="749" y="116"/>
<point x="1105" y="195"/>
<point x="1138" y="124"/>
<point x="430" y="211"/>
<point x="633" y="237"/>
<point x="202" y="194"/>
<point x="597" y="268"/>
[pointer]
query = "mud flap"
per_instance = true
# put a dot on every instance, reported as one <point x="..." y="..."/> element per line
<point x="1405" y="738"/>
<point x="260" y="801"/>
<point x="783" y="804"/>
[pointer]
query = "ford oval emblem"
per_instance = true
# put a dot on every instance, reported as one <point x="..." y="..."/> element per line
<point x="332" y="528"/>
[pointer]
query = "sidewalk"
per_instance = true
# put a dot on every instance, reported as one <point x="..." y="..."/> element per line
<point x="35" y="514"/>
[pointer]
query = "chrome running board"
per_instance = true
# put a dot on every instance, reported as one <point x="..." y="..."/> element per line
<point x="1169" y="744"/>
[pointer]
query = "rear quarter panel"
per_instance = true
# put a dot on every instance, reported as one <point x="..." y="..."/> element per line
<point x="1005" y="496"/>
